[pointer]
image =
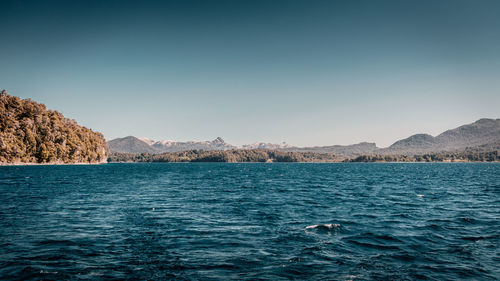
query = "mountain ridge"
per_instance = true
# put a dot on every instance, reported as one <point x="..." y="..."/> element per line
<point x="484" y="132"/>
<point x="481" y="132"/>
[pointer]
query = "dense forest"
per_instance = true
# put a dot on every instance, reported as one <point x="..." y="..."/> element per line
<point x="461" y="156"/>
<point x="29" y="133"/>
<point x="235" y="155"/>
<point x="267" y="155"/>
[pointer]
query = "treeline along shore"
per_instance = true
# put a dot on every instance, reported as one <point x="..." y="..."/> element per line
<point x="234" y="155"/>
<point x="266" y="155"/>
<point x="491" y="156"/>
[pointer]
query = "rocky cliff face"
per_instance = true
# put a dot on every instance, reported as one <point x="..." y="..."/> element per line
<point x="29" y="133"/>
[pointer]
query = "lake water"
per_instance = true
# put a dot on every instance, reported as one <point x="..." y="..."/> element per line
<point x="213" y="221"/>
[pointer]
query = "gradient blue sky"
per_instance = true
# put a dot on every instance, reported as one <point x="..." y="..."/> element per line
<point x="304" y="72"/>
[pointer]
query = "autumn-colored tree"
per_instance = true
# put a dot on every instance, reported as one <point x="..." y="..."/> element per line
<point x="29" y="133"/>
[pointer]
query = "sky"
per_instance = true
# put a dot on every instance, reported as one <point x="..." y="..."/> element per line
<point x="305" y="72"/>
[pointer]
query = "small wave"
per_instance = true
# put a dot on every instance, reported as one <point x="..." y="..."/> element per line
<point x="57" y="242"/>
<point x="326" y="226"/>
<point x="47" y="272"/>
<point x="472" y="238"/>
<point x="349" y="277"/>
<point x="467" y="220"/>
<point x="373" y="246"/>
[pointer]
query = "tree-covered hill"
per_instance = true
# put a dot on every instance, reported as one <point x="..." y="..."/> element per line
<point x="29" y="133"/>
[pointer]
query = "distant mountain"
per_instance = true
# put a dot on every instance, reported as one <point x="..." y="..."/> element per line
<point x="414" y="144"/>
<point x="262" y="145"/>
<point x="173" y="146"/>
<point x="479" y="133"/>
<point x="29" y="133"/>
<point x="132" y="144"/>
<point x="342" y="150"/>
<point x="484" y="133"/>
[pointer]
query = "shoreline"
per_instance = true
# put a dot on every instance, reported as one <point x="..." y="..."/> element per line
<point x="312" y="162"/>
<point x="316" y="162"/>
<point x="49" y="164"/>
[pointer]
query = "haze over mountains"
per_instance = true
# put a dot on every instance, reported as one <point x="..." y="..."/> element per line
<point x="483" y="133"/>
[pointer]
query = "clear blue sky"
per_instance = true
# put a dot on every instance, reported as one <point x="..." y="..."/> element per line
<point x="304" y="72"/>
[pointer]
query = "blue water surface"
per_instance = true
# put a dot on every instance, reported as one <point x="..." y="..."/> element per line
<point x="277" y="221"/>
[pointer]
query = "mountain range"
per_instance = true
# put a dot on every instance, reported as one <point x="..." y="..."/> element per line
<point x="484" y="134"/>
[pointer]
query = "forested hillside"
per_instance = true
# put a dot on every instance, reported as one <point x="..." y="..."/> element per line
<point x="29" y="133"/>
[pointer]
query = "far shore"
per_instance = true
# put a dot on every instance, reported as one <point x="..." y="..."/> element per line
<point x="50" y="164"/>
<point x="315" y="162"/>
